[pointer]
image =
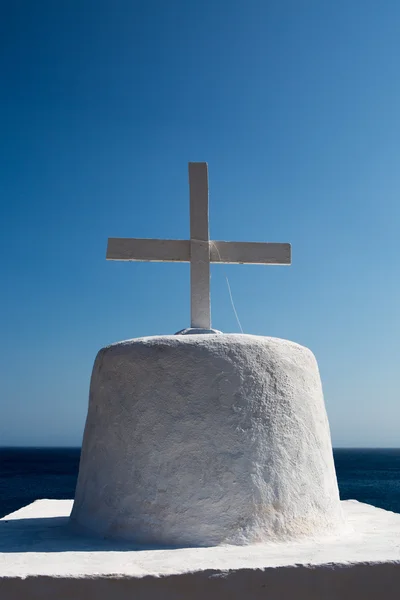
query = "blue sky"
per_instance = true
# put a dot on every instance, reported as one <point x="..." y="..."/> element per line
<point x="295" y="105"/>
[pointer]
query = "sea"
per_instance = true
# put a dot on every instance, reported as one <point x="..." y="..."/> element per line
<point x="26" y="474"/>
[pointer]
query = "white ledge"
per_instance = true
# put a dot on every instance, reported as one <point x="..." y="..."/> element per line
<point x="31" y="540"/>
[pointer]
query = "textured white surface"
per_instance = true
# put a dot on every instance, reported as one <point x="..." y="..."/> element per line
<point x="32" y="538"/>
<point x="41" y="557"/>
<point x="204" y="440"/>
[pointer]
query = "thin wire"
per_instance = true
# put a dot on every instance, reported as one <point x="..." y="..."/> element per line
<point x="233" y="304"/>
<point x="229" y="290"/>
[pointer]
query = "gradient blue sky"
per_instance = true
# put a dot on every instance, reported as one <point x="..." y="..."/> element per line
<point x="295" y="105"/>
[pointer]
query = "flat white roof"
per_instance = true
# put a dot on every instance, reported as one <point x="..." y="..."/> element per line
<point x="37" y="540"/>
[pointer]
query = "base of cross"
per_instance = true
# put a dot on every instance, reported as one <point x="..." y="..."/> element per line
<point x="196" y="330"/>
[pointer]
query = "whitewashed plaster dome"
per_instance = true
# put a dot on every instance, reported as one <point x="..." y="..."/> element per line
<point x="206" y="440"/>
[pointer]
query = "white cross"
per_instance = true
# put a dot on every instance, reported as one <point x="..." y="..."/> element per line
<point x="199" y="250"/>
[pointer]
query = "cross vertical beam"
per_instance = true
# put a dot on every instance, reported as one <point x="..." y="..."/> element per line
<point x="199" y="246"/>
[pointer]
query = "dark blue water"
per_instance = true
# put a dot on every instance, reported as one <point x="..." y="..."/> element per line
<point x="26" y="474"/>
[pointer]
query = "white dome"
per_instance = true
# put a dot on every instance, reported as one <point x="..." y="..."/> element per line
<point x="206" y="440"/>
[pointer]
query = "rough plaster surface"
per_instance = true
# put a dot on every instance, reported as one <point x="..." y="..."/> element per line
<point x="206" y="440"/>
<point x="41" y="556"/>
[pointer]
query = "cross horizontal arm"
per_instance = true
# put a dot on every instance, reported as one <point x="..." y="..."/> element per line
<point x="154" y="250"/>
<point x="148" y="250"/>
<point x="267" y="253"/>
